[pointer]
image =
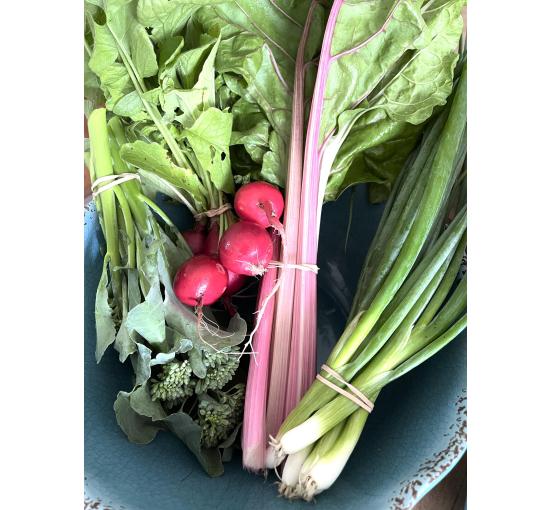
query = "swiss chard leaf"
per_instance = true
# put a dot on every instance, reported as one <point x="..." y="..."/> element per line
<point x="396" y="66"/>
<point x="256" y="59"/>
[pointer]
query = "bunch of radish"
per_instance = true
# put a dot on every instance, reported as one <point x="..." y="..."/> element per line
<point x="221" y="266"/>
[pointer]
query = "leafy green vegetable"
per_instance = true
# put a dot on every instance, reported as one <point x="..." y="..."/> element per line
<point x="209" y="138"/>
<point x="136" y="308"/>
<point x="121" y="38"/>
<point x="162" y="173"/>
<point x="167" y="18"/>
<point x="386" y="77"/>
<point x="147" y="318"/>
<point x="139" y="429"/>
<point x="256" y="59"/>
<point x="105" y="325"/>
<point x="190" y="432"/>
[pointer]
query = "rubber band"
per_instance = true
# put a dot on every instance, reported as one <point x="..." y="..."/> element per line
<point x="354" y="394"/>
<point x="213" y="212"/>
<point x="303" y="267"/>
<point x="112" y="180"/>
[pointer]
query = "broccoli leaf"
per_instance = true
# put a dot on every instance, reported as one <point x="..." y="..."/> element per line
<point x="183" y="426"/>
<point x="124" y="343"/>
<point x="104" y="323"/>
<point x="140" y="418"/>
<point x="141" y="361"/>
<point x="177" y="345"/>
<point x="147" y="318"/>
<point x="139" y="429"/>
<point x="197" y="363"/>
<point x="142" y="403"/>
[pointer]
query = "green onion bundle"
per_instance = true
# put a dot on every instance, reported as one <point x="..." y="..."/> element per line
<point x="410" y="303"/>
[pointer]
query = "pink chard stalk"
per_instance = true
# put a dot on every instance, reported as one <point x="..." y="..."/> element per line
<point x="284" y="373"/>
<point x="265" y="406"/>
<point x="254" y="433"/>
<point x="293" y="319"/>
<point x="304" y="326"/>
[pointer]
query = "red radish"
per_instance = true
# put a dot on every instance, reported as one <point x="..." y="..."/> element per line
<point x="235" y="282"/>
<point x="228" y="305"/>
<point x="246" y="249"/>
<point x="261" y="203"/>
<point x="212" y="240"/>
<point x="195" y="239"/>
<point x="201" y="280"/>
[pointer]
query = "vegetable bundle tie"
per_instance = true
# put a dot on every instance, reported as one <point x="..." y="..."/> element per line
<point x="353" y="394"/>
<point x="212" y="213"/>
<point x="112" y="180"/>
<point x="302" y="267"/>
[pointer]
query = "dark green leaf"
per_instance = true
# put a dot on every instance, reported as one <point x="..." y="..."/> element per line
<point x="197" y="364"/>
<point x="124" y="343"/>
<point x="141" y="403"/>
<point x="147" y="318"/>
<point x="183" y="426"/>
<point x="105" y="326"/>
<point x="141" y="361"/>
<point x="139" y="429"/>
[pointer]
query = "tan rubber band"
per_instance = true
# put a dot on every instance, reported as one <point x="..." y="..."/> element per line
<point x="112" y="180"/>
<point x="354" y="394"/>
<point x="213" y="212"/>
<point x="303" y="267"/>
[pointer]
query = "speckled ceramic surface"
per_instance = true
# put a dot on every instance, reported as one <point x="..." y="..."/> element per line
<point x="413" y="439"/>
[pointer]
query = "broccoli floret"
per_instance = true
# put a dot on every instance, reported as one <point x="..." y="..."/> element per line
<point x="173" y="383"/>
<point x="220" y="369"/>
<point x="219" y="416"/>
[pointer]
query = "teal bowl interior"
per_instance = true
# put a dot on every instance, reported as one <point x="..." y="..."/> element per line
<point x="415" y="436"/>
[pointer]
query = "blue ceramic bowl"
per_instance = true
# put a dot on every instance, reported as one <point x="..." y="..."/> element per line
<point x="413" y="439"/>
